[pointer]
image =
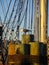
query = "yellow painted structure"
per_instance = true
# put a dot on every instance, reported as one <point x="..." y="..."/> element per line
<point x="11" y="49"/>
<point x="15" y="49"/>
<point x="22" y="49"/>
<point x="34" y="48"/>
<point x="17" y="46"/>
<point x="19" y="49"/>
<point x="43" y="20"/>
<point x="25" y="38"/>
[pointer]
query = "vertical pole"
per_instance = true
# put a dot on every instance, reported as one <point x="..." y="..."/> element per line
<point x="43" y="19"/>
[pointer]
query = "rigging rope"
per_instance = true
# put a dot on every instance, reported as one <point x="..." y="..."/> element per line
<point x="17" y="24"/>
<point x="32" y="16"/>
<point x="25" y="21"/>
<point x="7" y="11"/>
<point x="23" y="15"/>
<point x="2" y="8"/>
<point x="18" y="11"/>
<point x="11" y="14"/>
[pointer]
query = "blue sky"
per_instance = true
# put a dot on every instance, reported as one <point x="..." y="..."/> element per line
<point x="5" y="3"/>
<point x="3" y="9"/>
